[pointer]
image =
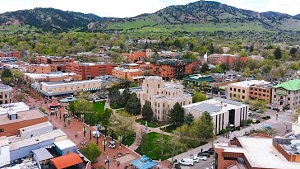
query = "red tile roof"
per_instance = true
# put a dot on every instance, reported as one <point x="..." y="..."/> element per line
<point x="66" y="160"/>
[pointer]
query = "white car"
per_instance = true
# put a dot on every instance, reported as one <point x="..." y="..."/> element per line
<point x="203" y="158"/>
<point x="195" y="158"/>
<point x="96" y="133"/>
<point x="187" y="161"/>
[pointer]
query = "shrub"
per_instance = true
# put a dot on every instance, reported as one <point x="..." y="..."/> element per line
<point x="249" y="121"/>
<point x="257" y="121"/>
<point x="42" y="109"/>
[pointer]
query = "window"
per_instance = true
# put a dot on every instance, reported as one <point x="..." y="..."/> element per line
<point x="243" y="97"/>
<point x="234" y="89"/>
<point x="230" y="88"/>
<point x="1" y="130"/>
<point x="239" y="90"/>
<point x="244" y="91"/>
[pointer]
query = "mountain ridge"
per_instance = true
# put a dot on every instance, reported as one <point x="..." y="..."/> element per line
<point x="193" y="17"/>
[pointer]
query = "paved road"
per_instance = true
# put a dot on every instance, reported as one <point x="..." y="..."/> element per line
<point x="283" y="123"/>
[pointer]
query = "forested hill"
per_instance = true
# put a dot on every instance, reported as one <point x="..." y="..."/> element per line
<point x="193" y="17"/>
<point x="50" y="19"/>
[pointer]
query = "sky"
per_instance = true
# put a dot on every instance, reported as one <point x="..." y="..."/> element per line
<point x="129" y="8"/>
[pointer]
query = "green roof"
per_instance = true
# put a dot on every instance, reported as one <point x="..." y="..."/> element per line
<point x="199" y="79"/>
<point x="291" y="85"/>
<point x="281" y="93"/>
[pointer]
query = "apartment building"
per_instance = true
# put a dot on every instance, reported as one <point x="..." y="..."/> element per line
<point x="223" y="112"/>
<point x="38" y="68"/>
<point x="258" y="152"/>
<point x="162" y="96"/>
<point x="5" y="94"/>
<point x="10" y="54"/>
<point x="172" y="68"/>
<point x="247" y="90"/>
<point x="50" y="89"/>
<point x="53" y="60"/>
<point x="286" y="95"/>
<point x="130" y="72"/>
<point x="90" y="70"/>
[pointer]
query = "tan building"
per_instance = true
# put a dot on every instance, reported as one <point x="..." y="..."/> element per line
<point x="53" y="60"/>
<point x="241" y="90"/>
<point x="162" y="96"/>
<point x="68" y="88"/>
<point x="5" y="94"/>
<point x="262" y="91"/>
<point x="38" y="68"/>
<point x="130" y="72"/>
<point x="286" y="95"/>
<point x="51" y="77"/>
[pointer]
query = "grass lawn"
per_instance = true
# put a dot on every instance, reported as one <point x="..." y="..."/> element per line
<point x="129" y="140"/>
<point x="151" y="149"/>
<point x="154" y="125"/>
<point x="99" y="106"/>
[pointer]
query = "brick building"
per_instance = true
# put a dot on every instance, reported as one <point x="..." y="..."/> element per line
<point x="90" y="70"/>
<point x="172" y="68"/>
<point x="231" y="61"/>
<point x="259" y="152"/>
<point x="32" y="78"/>
<point x="53" y="60"/>
<point x="13" y="54"/>
<point x="38" y="68"/>
<point x="11" y="122"/>
<point x="130" y="72"/>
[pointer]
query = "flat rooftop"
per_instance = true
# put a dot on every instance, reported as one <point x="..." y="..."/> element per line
<point x="250" y="83"/>
<point x="71" y="83"/>
<point x="261" y="153"/>
<point x="215" y="105"/>
<point x="22" y="116"/>
<point x="35" y="127"/>
<point x="16" y="107"/>
<point x="51" y="75"/>
<point x="63" y="144"/>
<point x="37" y="139"/>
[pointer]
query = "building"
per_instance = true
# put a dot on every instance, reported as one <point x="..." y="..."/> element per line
<point x="12" y="54"/>
<point x="38" y="68"/>
<point x="224" y="112"/>
<point x="50" y="89"/>
<point x="286" y="95"/>
<point x="172" y="68"/>
<point x="53" y="60"/>
<point x="200" y="81"/>
<point x="32" y="78"/>
<point x="246" y="90"/>
<point x="162" y="96"/>
<point x="90" y="70"/>
<point x="16" y="107"/>
<point x="5" y="94"/>
<point x="258" y="153"/>
<point x="12" y="121"/>
<point x="231" y="61"/>
<point x="130" y="72"/>
<point x="296" y="126"/>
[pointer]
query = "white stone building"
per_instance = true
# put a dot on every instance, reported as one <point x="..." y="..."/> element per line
<point x="162" y="96"/>
<point x="224" y="112"/>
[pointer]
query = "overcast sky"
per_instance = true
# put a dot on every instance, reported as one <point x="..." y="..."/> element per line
<point x="129" y="8"/>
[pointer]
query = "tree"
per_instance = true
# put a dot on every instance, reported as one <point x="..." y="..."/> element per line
<point x="259" y="104"/>
<point x="147" y="112"/>
<point x="204" y="127"/>
<point x="17" y="74"/>
<point x="133" y="105"/>
<point x="176" y="115"/>
<point x="188" y="119"/>
<point x="293" y="52"/>
<point x="114" y="97"/>
<point x="204" y="68"/>
<point x="121" y="123"/>
<point x="125" y="97"/>
<point x="91" y="151"/>
<point x="198" y="97"/>
<point x="296" y="115"/>
<point x="82" y="106"/>
<point x="6" y="76"/>
<point x="175" y="146"/>
<point x="278" y="53"/>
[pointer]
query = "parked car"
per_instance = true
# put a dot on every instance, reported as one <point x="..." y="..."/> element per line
<point x="211" y="151"/>
<point x="203" y="158"/>
<point x="177" y="166"/>
<point x="195" y="158"/>
<point x="187" y="161"/>
<point x="204" y="154"/>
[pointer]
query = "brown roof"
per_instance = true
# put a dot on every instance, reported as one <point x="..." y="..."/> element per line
<point x="66" y="160"/>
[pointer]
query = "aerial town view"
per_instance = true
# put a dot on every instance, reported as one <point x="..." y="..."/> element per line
<point x="149" y="84"/>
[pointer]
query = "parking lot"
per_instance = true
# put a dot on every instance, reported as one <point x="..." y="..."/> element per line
<point x="201" y="164"/>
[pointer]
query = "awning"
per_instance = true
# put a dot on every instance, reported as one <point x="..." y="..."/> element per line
<point x="281" y="93"/>
<point x="144" y="163"/>
<point x="67" y="160"/>
<point x="42" y="154"/>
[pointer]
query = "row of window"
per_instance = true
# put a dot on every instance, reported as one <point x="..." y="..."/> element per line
<point x="259" y="94"/>
<point x="234" y="89"/>
<point x="237" y="96"/>
<point x="260" y="90"/>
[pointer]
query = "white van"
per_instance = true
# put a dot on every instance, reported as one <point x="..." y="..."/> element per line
<point x="187" y="161"/>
